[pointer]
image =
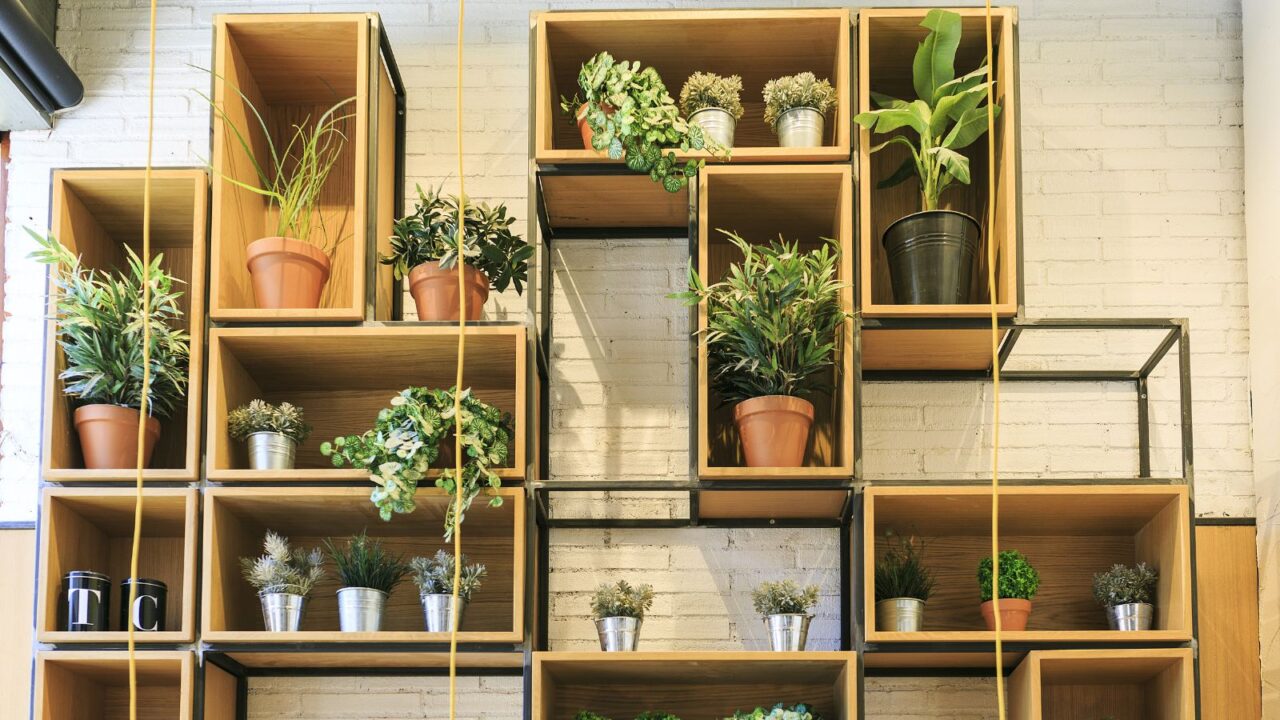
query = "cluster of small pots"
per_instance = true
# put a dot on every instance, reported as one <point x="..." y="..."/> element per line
<point x="797" y="127"/>
<point x="788" y="632"/>
<point x="359" y="610"/>
<point x="907" y="615"/>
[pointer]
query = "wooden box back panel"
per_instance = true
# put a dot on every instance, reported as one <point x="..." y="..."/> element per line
<point x="1121" y="684"/>
<point x="95" y="685"/>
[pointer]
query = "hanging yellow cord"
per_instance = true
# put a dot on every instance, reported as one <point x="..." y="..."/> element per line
<point x="457" y="394"/>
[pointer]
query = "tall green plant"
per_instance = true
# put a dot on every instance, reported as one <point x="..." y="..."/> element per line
<point x="366" y="563"/>
<point x="901" y="572"/>
<point x="99" y="319"/>
<point x="947" y="115"/>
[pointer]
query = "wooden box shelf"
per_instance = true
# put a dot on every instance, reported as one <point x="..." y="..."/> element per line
<point x="692" y="684"/>
<point x="800" y="202"/>
<point x="237" y="518"/>
<point x="95" y="685"/>
<point x="1068" y="533"/>
<point x="341" y="378"/>
<point x="1123" y="684"/>
<point x="94" y="214"/>
<point x="328" y="57"/>
<point x="92" y="529"/>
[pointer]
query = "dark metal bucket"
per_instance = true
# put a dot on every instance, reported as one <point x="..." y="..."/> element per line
<point x="931" y="256"/>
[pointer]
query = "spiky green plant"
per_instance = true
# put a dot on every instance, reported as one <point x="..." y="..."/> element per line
<point x="784" y="597"/>
<point x="1018" y="580"/>
<point x="365" y="563"/>
<point x="901" y="572"/>
<point x="621" y="599"/>
<point x="99" y="324"/>
<point x="707" y="90"/>
<point x="1122" y="585"/>
<point x="262" y="416"/>
<point x="796" y="91"/>
<point x="434" y="575"/>
<point x="283" y="569"/>
<point x="780" y="711"/>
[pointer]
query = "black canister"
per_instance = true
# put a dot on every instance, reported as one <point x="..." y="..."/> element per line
<point x="85" y="602"/>
<point x="148" y="608"/>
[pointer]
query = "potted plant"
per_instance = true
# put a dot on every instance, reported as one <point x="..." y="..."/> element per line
<point x="785" y="607"/>
<point x="932" y="253"/>
<point x="795" y="106"/>
<point x="1018" y="584"/>
<point x="284" y="578"/>
<point x="713" y="103"/>
<point x="273" y="433"/>
<point x="626" y="112"/>
<point x="903" y="586"/>
<point x="773" y="324"/>
<point x="406" y="440"/>
<point x="368" y="573"/>
<point x="434" y="578"/>
<point x="97" y="318"/>
<point x="619" y="611"/>
<point x="780" y="711"/>
<point x="1126" y="593"/>
<point x="424" y="248"/>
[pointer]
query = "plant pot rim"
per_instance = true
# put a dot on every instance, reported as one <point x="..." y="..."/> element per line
<point x="918" y="213"/>
<point x="358" y="587"/>
<point x="713" y="109"/>
<point x="788" y="111"/>
<point x="1119" y="605"/>
<point x="287" y="246"/>
<point x="791" y="403"/>
<point x="270" y="432"/>
<point x="901" y="598"/>
<point x="432" y="267"/>
<point x="1005" y="601"/>
<point x="102" y="410"/>
<point x="448" y="595"/>
<point x="804" y="615"/>
<point x="264" y="593"/>
<point x="617" y="617"/>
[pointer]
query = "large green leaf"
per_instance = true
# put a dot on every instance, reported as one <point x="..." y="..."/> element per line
<point x="953" y="107"/>
<point x="965" y="82"/>
<point x="935" y="61"/>
<point x="971" y="126"/>
<point x="955" y="164"/>
<point x="914" y="115"/>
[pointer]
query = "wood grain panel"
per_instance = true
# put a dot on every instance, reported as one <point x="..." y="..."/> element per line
<point x="17" y="575"/>
<point x="1227" y="587"/>
<point x="612" y="201"/>
<point x="94" y="685"/>
<point x="220" y="696"/>
<point x="1124" y="684"/>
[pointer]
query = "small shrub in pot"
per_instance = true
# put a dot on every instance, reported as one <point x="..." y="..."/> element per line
<point x="272" y="431"/>
<point x="284" y="577"/>
<point x="781" y="711"/>
<point x="434" y="578"/>
<point x="713" y="103"/>
<point x="1126" y="593"/>
<point x="368" y="572"/>
<point x="1019" y="583"/>
<point x="619" y="611"/>
<point x="795" y="106"/>
<point x="903" y="585"/>
<point x="784" y="606"/>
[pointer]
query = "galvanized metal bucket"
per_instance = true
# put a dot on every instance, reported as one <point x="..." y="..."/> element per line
<point x="437" y="610"/>
<point x="271" y="451"/>
<point x="787" y="631"/>
<point x="717" y="124"/>
<point x="931" y="257"/>
<point x="1130" y="616"/>
<point x="800" y="127"/>
<point x="619" y="634"/>
<point x="282" y="612"/>
<point x="900" y="615"/>
<point x="360" y="609"/>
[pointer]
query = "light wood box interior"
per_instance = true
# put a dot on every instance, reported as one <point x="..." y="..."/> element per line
<point x="1086" y="684"/>
<point x="342" y="377"/>
<point x="92" y="529"/>
<point x="95" y="214"/>
<point x="236" y="519"/>
<point x="95" y="685"/>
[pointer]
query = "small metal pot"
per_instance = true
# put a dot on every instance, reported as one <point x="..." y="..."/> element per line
<point x="360" y="609"/>
<point x="148" y="609"/>
<point x="931" y="257"/>
<point x="437" y="610"/>
<point x="902" y="614"/>
<point x="1130" y="616"/>
<point x="282" y="612"/>
<point x="619" y="634"/>
<point x="717" y="124"/>
<point x="800" y="127"/>
<point x="787" y="631"/>
<point x="271" y="451"/>
<point x="85" y="604"/>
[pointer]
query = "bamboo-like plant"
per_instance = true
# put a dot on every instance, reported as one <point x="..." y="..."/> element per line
<point x="261" y="416"/>
<point x="784" y="597"/>
<point x="366" y="563"/>
<point x="434" y="575"/>
<point x="901" y="572"/>
<point x="621" y="599"/>
<point x="282" y="569"/>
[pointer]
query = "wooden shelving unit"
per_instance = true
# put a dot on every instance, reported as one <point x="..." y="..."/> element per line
<point x="92" y="529"/>
<point x="342" y="377"/>
<point x="95" y="213"/>
<point x="95" y="685"/>
<point x="1124" y="684"/>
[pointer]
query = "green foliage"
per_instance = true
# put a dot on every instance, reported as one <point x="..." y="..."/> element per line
<point x="774" y="322"/>
<point x="795" y="91"/>
<point x="707" y="90"/>
<point x="634" y="117"/>
<point x="99" y="318"/>
<point x="430" y="232"/>
<point x="365" y="563"/>
<point x="1018" y="580"/>
<point x="947" y="115"/>
<point x="434" y="575"/>
<point x="262" y="416"/>
<point x="405" y="440"/>
<point x="621" y="600"/>
<point x="784" y="597"/>
<point x="780" y="711"/>
<point x="901" y="572"/>
<point x="1122" y="585"/>
<point x="283" y="569"/>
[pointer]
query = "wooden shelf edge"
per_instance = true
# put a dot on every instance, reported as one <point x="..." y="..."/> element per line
<point x="388" y="658"/>
<point x="115" y="637"/>
<point x="707" y="472"/>
<point x="764" y="656"/>
<point x="1029" y="636"/>
<point x="715" y="14"/>
<point x="971" y="310"/>
<point x="69" y="475"/>
<point x="337" y="639"/>
<point x="334" y="475"/>
<point x="255" y="315"/>
<point x="980" y="489"/>
<point x="764" y="154"/>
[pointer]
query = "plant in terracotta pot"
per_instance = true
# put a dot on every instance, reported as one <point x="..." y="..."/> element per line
<point x="781" y="711"/>
<point x="785" y="607"/>
<point x="619" y="611"/>
<point x="97" y="318"/>
<point x="424" y="248"/>
<point x="903" y="585"/>
<point x="932" y="253"/>
<point x="434" y="578"/>
<point x="713" y="103"/>
<point x="368" y="572"/>
<point x="1126" y="593"/>
<point x="284" y="578"/>
<point x="773" y="325"/>
<point x="1018" y="585"/>
<point x="272" y="432"/>
<point x="795" y="107"/>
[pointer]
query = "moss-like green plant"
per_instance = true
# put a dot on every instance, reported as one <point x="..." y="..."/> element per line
<point x="901" y="572"/>
<point x="780" y="711"/>
<point x="707" y="90"/>
<point x="796" y="91"/>
<point x="434" y="575"/>
<point x="282" y="569"/>
<point x="261" y="416"/>
<point x="1018" y="580"/>
<point x="784" y="597"/>
<point x="1122" y="585"/>
<point x="366" y="563"/>
<point x="621" y="600"/>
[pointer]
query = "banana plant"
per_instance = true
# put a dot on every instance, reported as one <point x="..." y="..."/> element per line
<point x="948" y="114"/>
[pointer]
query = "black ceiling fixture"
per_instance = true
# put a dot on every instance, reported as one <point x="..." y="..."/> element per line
<point x="35" y="81"/>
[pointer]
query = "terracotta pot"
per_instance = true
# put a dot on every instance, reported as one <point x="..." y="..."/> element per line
<point x="774" y="430"/>
<point x="435" y="291"/>
<point x="286" y="273"/>
<point x="585" y="129"/>
<point x="1013" y="614"/>
<point x="109" y="436"/>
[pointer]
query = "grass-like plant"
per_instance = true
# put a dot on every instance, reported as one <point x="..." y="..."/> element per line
<point x="430" y="233"/>
<point x="366" y="563"/>
<point x="621" y="599"/>
<point x="261" y="416"/>
<point x="774" y="322"/>
<point x="1018" y="580"/>
<point x="1122" y="585"/>
<point x="707" y="90"/>
<point x="901" y="572"/>
<point x="948" y="114"/>
<point x="796" y="91"/>
<point x="434" y="575"/>
<point x="784" y="597"/>
<point x="99" y="324"/>
<point x="282" y="569"/>
<point x="781" y="711"/>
